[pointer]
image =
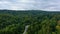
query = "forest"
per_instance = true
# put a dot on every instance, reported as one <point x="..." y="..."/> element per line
<point x="29" y="22"/>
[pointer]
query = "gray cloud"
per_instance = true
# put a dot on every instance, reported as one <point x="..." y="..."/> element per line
<point x="30" y="4"/>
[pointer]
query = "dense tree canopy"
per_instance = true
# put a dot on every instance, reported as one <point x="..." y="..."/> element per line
<point x="41" y="22"/>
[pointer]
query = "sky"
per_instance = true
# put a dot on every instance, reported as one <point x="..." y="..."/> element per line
<point x="48" y="5"/>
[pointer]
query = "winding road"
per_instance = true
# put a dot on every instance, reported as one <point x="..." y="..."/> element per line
<point x="26" y="28"/>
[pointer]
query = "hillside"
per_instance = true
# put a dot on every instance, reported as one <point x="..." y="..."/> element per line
<point x="29" y="22"/>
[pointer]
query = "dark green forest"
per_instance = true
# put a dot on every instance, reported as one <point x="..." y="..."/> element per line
<point x="38" y="21"/>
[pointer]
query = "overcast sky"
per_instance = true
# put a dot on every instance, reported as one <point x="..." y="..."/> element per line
<point x="50" y="5"/>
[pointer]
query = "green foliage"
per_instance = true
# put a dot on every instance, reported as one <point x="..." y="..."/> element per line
<point x="41" y="22"/>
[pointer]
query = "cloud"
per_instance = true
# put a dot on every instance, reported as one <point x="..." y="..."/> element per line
<point x="30" y="4"/>
<point x="19" y="4"/>
<point x="53" y="5"/>
<point x="4" y="4"/>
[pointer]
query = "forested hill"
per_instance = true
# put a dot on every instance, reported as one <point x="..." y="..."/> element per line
<point x="15" y="12"/>
<point x="29" y="22"/>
